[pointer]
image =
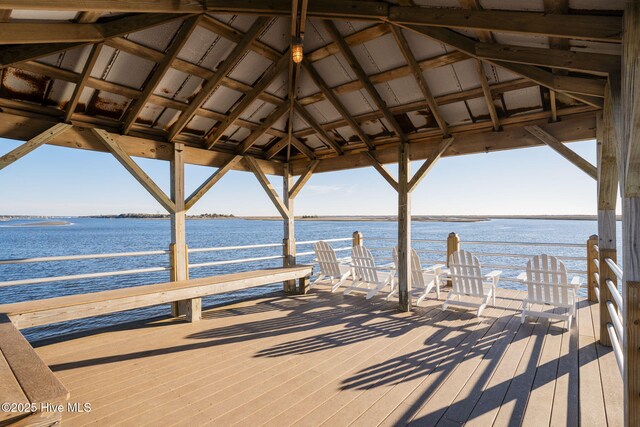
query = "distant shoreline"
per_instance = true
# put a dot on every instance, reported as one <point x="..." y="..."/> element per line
<point x="358" y="218"/>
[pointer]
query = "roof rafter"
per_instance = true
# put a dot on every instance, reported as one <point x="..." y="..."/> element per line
<point x="86" y="73"/>
<point x="333" y="99"/>
<point x="345" y="50"/>
<point x="10" y="55"/>
<point x="180" y="39"/>
<point x="263" y="128"/>
<point x="228" y="64"/>
<point x="573" y="86"/>
<point x="258" y="88"/>
<point x="319" y="130"/>
<point x="486" y="90"/>
<point x="419" y="77"/>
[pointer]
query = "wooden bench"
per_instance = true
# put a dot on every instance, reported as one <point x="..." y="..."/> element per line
<point x="52" y="310"/>
<point x="26" y="380"/>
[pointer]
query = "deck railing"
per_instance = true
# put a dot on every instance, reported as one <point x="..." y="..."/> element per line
<point x="615" y="307"/>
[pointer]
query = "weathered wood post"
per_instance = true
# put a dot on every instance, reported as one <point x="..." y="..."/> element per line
<point x="607" y="199"/>
<point x="626" y="107"/>
<point x="357" y="239"/>
<point x="592" y="254"/>
<point x="289" y="241"/>
<point x="404" y="227"/>
<point x="453" y="245"/>
<point x="179" y="265"/>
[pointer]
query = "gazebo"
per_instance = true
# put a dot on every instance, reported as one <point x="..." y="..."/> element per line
<point x="293" y="88"/>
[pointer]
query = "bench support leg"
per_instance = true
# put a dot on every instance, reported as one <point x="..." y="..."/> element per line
<point x="193" y="309"/>
<point x="303" y="285"/>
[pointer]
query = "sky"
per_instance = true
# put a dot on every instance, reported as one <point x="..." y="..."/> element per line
<point x="61" y="181"/>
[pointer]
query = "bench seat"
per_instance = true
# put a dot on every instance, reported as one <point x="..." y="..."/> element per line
<point x="26" y="379"/>
<point x="52" y="310"/>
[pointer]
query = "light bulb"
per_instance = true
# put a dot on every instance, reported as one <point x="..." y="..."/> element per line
<point x="296" y="53"/>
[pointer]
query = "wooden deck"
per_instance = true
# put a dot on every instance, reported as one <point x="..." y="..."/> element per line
<point x="326" y="359"/>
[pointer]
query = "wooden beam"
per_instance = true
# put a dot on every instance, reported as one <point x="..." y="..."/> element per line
<point x="115" y="28"/>
<point x="11" y="55"/>
<point x="293" y="193"/>
<point x="428" y="164"/>
<point x="366" y="10"/>
<point x="593" y="63"/>
<point x="345" y="50"/>
<point x="24" y="127"/>
<point x="561" y="149"/>
<point x="322" y="134"/>
<point x="607" y="159"/>
<point x="135" y="170"/>
<point x="145" y="6"/>
<point x="268" y="188"/>
<point x="277" y="147"/>
<point x="354" y="39"/>
<point x="486" y="90"/>
<point x="333" y="99"/>
<point x="389" y="75"/>
<point x="419" y="77"/>
<point x="565" y="84"/>
<point x="227" y="65"/>
<point x="236" y="36"/>
<point x="211" y="181"/>
<point x="5" y="15"/>
<point x="259" y="87"/>
<point x="88" y="17"/>
<point x="40" y="32"/>
<point x="303" y="148"/>
<point x="180" y="39"/>
<point x="382" y="170"/>
<point x="263" y="128"/>
<point x="86" y="73"/>
<point x="580" y="27"/>
<point x="32" y="144"/>
<point x="575" y="127"/>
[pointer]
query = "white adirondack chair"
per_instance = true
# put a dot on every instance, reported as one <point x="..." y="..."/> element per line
<point x="422" y="280"/>
<point x="468" y="282"/>
<point x="330" y="266"/>
<point x="366" y="276"/>
<point x="547" y="283"/>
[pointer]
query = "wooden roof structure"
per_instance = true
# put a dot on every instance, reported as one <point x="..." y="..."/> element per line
<point x="217" y="76"/>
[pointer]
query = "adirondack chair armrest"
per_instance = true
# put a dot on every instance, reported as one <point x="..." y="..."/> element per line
<point x="522" y="276"/>
<point x="434" y="268"/>
<point x="493" y="274"/>
<point x="345" y="260"/>
<point x="576" y="282"/>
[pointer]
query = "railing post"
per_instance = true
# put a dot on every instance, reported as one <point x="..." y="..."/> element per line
<point x="357" y="239"/>
<point x="453" y="245"/>
<point x="592" y="254"/>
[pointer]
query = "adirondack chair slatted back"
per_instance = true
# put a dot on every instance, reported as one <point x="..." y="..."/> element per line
<point x="364" y="265"/>
<point x="466" y="275"/>
<point x="327" y="259"/>
<point x="547" y="281"/>
<point x="417" y="276"/>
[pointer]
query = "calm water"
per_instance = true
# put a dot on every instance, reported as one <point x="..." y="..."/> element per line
<point x="92" y="236"/>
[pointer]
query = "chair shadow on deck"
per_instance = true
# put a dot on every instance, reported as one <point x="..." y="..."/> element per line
<point x="433" y="364"/>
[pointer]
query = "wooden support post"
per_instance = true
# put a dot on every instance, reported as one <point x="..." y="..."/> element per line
<point x="404" y="228"/>
<point x="289" y="241"/>
<point x="592" y="254"/>
<point x="32" y="144"/>
<point x="180" y="268"/>
<point x="357" y="239"/>
<point x="628" y="139"/>
<point x="453" y="245"/>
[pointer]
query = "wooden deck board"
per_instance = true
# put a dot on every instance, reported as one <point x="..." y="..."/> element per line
<point x="328" y="359"/>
